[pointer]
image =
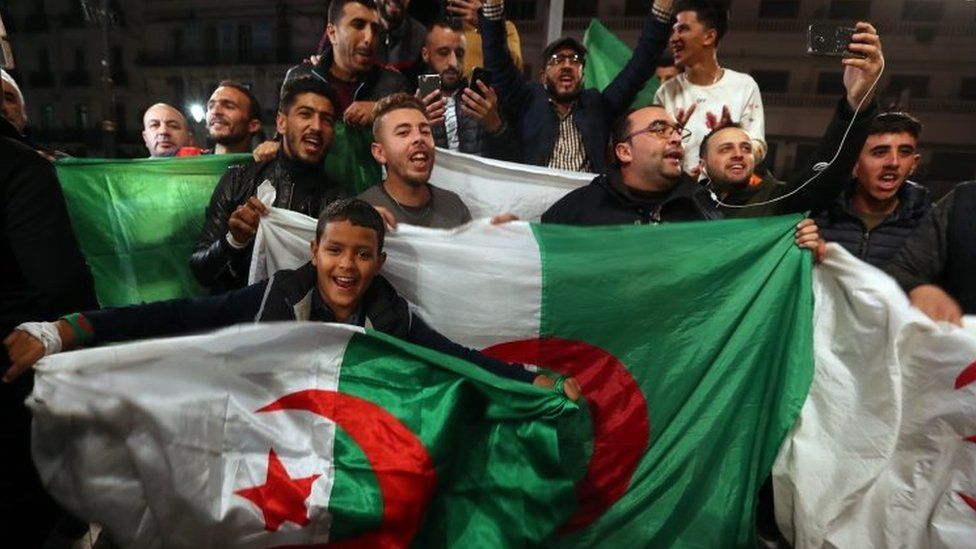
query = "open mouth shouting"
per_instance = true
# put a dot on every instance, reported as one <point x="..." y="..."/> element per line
<point x="421" y="161"/>
<point x="889" y="180"/>
<point x="312" y="144"/>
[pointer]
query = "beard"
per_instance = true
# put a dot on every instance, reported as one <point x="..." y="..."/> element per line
<point x="447" y="85"/>
<point x="563" y="97"/>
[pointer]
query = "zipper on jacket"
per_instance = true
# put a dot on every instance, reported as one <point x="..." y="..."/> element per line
<point x="865" y="238"/>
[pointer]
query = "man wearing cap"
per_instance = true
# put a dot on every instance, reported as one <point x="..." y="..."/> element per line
<point x="561" y="124"/>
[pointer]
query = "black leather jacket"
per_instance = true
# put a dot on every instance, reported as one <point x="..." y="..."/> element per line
<point x="306" y="189"/>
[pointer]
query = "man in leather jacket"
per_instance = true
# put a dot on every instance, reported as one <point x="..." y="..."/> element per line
<point x="305" y="121"/>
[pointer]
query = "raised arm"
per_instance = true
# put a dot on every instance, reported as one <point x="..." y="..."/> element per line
<point x="512" y="87"/>
<point x="650" y="45"/>
<point x="860" y="78"/>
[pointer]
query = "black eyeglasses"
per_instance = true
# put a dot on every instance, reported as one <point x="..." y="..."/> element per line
<point x="662" y="129"/>
<point x="558" y="59"/>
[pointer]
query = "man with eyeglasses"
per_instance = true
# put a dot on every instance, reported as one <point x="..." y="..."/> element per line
<point x="645" y="183"/>
<point x="563" y="125"/>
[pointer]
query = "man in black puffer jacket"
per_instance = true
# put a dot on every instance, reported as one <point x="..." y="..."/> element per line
<point x="936" y="265"/>
<point x="222" y="256"/>
<point x="880" y="209"/>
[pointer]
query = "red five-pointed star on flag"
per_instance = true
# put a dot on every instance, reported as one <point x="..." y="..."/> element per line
<point x="281" y="497"/>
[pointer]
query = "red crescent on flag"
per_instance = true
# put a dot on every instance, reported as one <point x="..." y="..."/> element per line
<point x="404" y="470"/>
<point x="621" y="428"/>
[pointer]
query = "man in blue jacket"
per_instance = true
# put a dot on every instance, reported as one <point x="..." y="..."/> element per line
<point x="563" y="125"/>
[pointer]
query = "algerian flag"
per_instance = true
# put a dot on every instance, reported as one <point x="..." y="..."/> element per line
<point x="294" y="434"/>
<point x="606" y="56"/>
<point x="692" y="343"/>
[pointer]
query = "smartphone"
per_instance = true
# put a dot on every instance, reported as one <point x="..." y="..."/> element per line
<point x="830" y="40"/>
<point x="479" y="74"/>
<point x="426" y="83"/>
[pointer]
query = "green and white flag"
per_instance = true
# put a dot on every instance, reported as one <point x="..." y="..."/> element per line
<point x="300" y="434"/>
<point x="883" y="451"/>
<point x="693" y="344"/>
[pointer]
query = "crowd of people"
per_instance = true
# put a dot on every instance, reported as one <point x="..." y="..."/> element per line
<point x="690" y="156"/>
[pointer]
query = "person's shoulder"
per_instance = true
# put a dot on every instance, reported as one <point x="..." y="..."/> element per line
<point x="18" y="157"/>
<point x="734" y="77"/>
<point x="672" y="88"/>
<point x="444" y="194"/>
<point x="372" y="194"/>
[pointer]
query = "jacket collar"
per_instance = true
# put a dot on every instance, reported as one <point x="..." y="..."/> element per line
<point x="913" y="199"/>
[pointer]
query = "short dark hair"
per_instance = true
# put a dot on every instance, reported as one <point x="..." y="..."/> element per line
<point x="713" y="14"/>
<point x="394" y="102"/>
<point x="336" y="7"/>
<point x="254" y="110"/>
<point x="704" y="144"/>
<point x="453" y="24"/>
<point x="895" y="122"/>
<point x="308" y="83"/>
<point x="356" y="211"/>
<point x="622" y="127"/>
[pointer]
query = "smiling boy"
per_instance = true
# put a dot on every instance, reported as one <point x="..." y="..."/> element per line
<point x="341" y="283"/>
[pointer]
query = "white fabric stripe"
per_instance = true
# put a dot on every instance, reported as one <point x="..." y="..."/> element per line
<point x="877" y="457"/>
<point x="478" y="284"/>
<point x="175" y="434"/>
<point x="489" y="187"/>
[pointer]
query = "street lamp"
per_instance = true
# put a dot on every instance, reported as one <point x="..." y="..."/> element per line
<point x="197" y="112"/>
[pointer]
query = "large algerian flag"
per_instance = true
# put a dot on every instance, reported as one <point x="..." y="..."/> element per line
<point x="606" y="56"/>
<point x="298" y="434"/>
<point x="692" y="343"/>
<point x="883" y="451"/>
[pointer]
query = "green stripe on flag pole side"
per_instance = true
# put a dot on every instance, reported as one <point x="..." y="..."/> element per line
<point x="496" y="443"/>
<point x="714" y="322"/>
<point x="137" y="221"/>
<point x="606" y="57"/>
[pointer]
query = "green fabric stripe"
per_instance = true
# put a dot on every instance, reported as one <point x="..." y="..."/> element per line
<point x="606" y="57"/>
<point x="714" y="321"/>
<point x="138" y="220"/>
<point x="495" y="442"/>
